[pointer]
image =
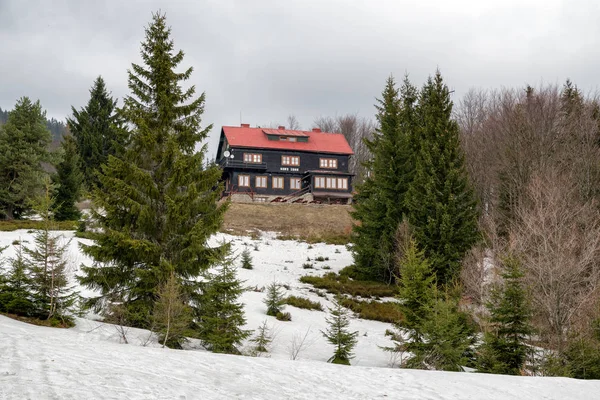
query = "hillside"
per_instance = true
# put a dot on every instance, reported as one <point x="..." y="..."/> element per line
<point x="306" y="221"/>
<point x="44" y="363"/>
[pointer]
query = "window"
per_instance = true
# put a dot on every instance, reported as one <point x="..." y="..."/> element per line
<point x="291" y="139"/>
<point x="295" y="183"/>
<point x="331" y="183"/>
<point x="290" y="160"/>
<point x="278" y="182"/>
<point x="244" y="180"/>
<point x="319" y="181"/>
<point x="324" y="182"/>
<point x="328" y="163"/>
<point x="252" y="158"/>
<point x="261" y="182"/>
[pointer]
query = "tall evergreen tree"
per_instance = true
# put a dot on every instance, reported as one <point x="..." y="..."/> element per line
<point x="68" y="180"/>
<point x="440" y="202"/>
<point x="24" y="143"/>
<point x="504" y="350"/>
<point x="158" y="201"/>
<point x="221" y="315"/>
<point x="379" y="205"/>
<point x="97" y="131"/>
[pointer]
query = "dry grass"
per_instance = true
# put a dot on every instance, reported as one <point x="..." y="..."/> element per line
<point x="13" y="225"/>
<point x="303" y="302"/>
<point x="52" y="323"/>
<point x="312" y="223"/>
<point x="374" y="310"/>
<point x="340" y="284"/>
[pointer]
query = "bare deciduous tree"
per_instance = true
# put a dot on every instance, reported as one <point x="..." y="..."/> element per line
<point x="557" y="237"/>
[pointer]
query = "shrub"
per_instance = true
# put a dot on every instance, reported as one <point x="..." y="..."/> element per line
<point x="283" y="316"/>
<point x="303" y="302"/>
<point x="374" y="310"/>
<point x="326" y="267"/>
<point x="307" y="266"/>
<point x="13" y="225"/>
<point x="340" y="284"/>
<point x="321" y="259"/>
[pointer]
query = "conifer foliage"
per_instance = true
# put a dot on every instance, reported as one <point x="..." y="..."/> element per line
<point x="23" y="147"/>
<point x="172" y="314"/>
<point x="338" y="334"/>
<point x="97" y="131"/>
<point x="221" y="315"/>
<point x="440" y="202"/>
<point x="246" y="259"/>
<point x="158" y="201"/>
<point x="380" y="200"/>
<point x="274" y="300"/>
<point x="68" y="180"/>
<point x="504" y="350"/>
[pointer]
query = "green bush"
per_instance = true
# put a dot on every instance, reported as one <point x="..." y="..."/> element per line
<point x="341" y="284"/>
<point x="303" y="302"/>
<point x="13" y="225"/>
<point x="374" y="310"/>
<point x="283" y="316"/>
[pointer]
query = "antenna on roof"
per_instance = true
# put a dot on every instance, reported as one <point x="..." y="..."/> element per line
<point x="240" y="117"/>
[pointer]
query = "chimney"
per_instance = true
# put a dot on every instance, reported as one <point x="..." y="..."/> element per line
<point x="316" y="129"/>
<point x="245" y="125"/>
<point x="281" y="128"/>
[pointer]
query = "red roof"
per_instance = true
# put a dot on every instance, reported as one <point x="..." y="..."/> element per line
<point x="318" y="142"/>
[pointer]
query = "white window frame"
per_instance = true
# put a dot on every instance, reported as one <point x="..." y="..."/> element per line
<point x="260" y="182"/>
<point x="295" y="183"/>
<point x="276" y="181"/>
<point x="319" y="182"/>
<point x="329" y="163"/>
<point x="243" y="180"/>
<point x="293" y="161"/>
<point x="253" y="158"/>
<point x="342" y="183"/>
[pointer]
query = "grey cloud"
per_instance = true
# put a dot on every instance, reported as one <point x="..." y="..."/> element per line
<point x="267" y="59"/>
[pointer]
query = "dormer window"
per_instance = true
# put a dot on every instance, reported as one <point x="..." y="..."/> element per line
<point x="330" y="163"/>
<point x="252" y="158"/>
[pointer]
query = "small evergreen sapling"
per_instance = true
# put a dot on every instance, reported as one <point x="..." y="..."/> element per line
<point x="52" y="296"/>
<point x="221" y="315"/>
<point x="504" y="350"/>
<point x="246" y="259"/>
<point x="172" y="315"/>
<point x="338" y="335"/>
<point x="274" y="300"/>
<point x="15" y="291"/>
<point x="262" y="340"/>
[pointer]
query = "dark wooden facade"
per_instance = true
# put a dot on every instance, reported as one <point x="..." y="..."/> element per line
<point x="273" y="173"/>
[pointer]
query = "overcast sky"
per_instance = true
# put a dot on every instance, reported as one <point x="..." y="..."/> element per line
<point x="268" y="59"/>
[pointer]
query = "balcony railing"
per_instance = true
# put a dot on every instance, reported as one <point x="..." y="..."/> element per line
<point x="237" y="164"/>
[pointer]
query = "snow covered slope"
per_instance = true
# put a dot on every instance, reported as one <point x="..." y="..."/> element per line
<point x="43" y="363"/>
<point x="89" y="362"/>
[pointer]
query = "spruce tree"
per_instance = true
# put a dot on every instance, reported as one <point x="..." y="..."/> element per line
<point x="446" y="337"/>
<point x="97" y="131"/>
<point x="172" y="315"/>
<point x="379" y="204"/>
<point x="416" y="290"/>
<point x="274" y="300"/>
<point x="15" y="296"/>
<point x="47" y="262"/>
<point x="504" y="350"/>
<point x="24" y="140"/>
<point x="262" y="340"/>
<point x="440" y="202"/>
<point x="158" y="204"/>
<point x="246" y="259"/>
<point x="338" y="334"/>
<point x="221" y="315"/>
<point x="68" y="181"/>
